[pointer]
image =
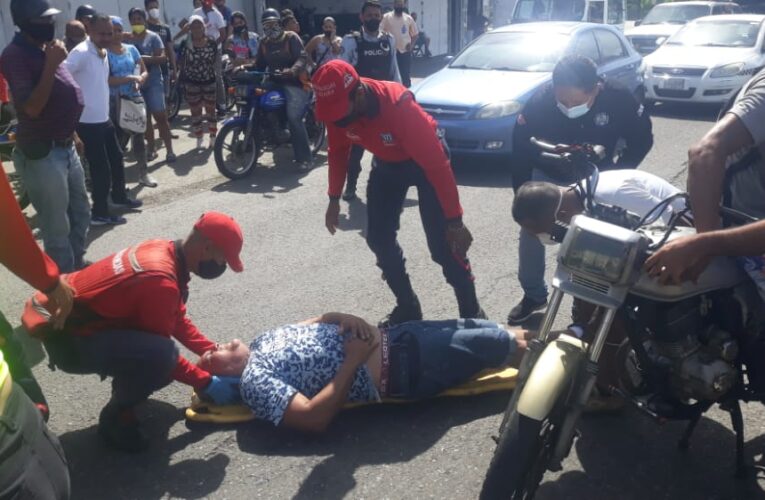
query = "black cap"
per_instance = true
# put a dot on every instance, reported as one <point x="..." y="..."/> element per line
<point x="83" y="11"/>
<point x="270" y="15"/>
<point x="25" y="10"/>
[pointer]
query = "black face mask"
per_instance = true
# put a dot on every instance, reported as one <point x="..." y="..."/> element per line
<point x="210" y="269"/>
<point x="372" y="25"/>
<point x="238" y="30"/>
<point x="39" y="32"/>
<point x="398" y="10"/>
<point x="328" y="34"/>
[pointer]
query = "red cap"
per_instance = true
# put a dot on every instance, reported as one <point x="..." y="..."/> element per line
<point x="332" y="84"/>
<point x="225" y="234"/>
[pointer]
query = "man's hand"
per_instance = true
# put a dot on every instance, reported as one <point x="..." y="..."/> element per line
<point x="357" y="327"/>
<point x="459" y="238"/>
<point x="357" y="351"/>
<point x="62" y="299"/>
<point x="79" y="146"/>
<point x="332" y="217"/>
<point x="681" y="260"/>
<point x="55" y="53"/>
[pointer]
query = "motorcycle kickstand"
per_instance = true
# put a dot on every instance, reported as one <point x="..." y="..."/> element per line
<point x="685" y="440"/>
<point x="737" y="419"/>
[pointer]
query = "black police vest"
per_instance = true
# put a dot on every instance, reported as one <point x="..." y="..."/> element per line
<point x="374" y="58"/>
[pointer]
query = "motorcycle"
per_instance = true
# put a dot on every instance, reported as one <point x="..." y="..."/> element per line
<point x="687" y="347"/>
<point x="260" y="125"/>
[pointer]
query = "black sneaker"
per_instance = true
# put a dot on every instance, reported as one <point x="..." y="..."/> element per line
<point x="350" y="193"/>
<point x="121" y="429"/>
<point x="402" y="313"/>
<point x="128" y="202"/>
<point x="524" y="310"/>
<point x="107" y="220"/>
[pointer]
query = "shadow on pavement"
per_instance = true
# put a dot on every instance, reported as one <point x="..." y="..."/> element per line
<point x="631" y="457"/>
<point x="376" y="435"/>
<point x="682" y="111"/>
<point x="142" y="476"/>
<point x="481" y="172"/>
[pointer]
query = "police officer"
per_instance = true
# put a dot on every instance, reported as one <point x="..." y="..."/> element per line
<point x="384" y="118"/>
<point x="373" y="53"/>
<point x="578" y="107"/>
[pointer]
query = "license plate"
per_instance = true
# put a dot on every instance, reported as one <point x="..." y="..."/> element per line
<point x="674" y="84"/>
<point x="440" y="132"/>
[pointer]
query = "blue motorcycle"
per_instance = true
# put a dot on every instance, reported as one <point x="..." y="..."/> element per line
<point x="259" y="126"/>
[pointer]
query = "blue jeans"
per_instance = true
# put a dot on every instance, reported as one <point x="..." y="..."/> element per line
<point x="531" y="256"/>
<point x="297" y="104"/>
<point x="56" y="188"/>
<point x="428" y="357"/>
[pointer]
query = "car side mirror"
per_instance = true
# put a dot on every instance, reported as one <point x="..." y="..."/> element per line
<point x="448" y="59"/>
<point x="638" y="22"/>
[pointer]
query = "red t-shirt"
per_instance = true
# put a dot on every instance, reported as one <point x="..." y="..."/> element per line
<point x="20" y="253"/>
<point x="4" y="96"/>
<point x="399" y="131"/>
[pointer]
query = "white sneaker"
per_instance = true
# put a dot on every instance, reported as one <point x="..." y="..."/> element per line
<point x="148" y="181"/>
<point x="200" y="142"/>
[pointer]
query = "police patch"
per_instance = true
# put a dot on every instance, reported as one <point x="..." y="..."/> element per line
<point x="602" y="119"/>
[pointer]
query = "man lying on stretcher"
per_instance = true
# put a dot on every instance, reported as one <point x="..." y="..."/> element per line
<point x="301" y="375"/>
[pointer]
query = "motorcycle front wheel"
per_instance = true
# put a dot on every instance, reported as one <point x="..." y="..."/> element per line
<point x="235" y="156"/>
<point x="317" y="132"/>
<point x="174" y="100"/>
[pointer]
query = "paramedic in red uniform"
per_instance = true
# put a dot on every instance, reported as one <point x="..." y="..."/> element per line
<point x="384" y="118"/>
<point x="128" y="308"/>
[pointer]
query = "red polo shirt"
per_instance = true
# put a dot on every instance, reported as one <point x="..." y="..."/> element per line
<point x="398" y="130"/>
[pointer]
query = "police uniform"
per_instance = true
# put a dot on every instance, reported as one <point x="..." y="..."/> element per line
<point x="615" y="119"/>
<point x="375" y="58"/>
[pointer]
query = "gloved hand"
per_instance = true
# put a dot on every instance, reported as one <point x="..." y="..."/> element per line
<point x="222" y="390"/>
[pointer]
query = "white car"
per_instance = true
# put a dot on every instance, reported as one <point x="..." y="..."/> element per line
<point x="665" y="19"/>
<point x="707" y="61"/>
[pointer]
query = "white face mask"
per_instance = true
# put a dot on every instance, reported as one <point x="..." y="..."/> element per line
<point x="576" y="111"/>
<point x="154" y="13"/>
<point x="546" y="238"/>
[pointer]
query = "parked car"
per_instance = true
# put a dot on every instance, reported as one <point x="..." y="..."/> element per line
<point x="477" y="97"/>
<point x="664" y="20"/>
<point x="592" y="11"/>
<point x="707" y="61"/>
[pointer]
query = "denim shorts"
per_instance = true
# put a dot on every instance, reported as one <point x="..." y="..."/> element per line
<point x="428" y="357"/>
<point x="154" y="95"/>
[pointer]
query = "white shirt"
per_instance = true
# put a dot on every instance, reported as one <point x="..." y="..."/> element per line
<point x="636" y="191"/>
<point x="404" y="29"/>
<point x="214" y="22"/>
<point x="91" y="72"/>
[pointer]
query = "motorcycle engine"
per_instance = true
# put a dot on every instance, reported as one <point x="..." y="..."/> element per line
<point x="696" y="354"/>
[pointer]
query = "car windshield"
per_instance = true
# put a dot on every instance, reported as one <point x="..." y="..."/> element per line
<point x="675" y="14"/>
<point x="518" y="51"/>
<point x="717" y="34"/>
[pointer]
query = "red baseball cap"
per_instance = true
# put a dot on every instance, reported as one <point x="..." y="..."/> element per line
<point x="332" y="84"/>
<point x="225" y="234"/>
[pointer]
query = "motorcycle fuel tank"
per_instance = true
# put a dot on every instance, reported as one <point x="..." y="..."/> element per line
<point x="273" y="100"/>
<point x="721" y="273"/>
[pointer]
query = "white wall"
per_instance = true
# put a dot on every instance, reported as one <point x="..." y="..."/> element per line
<point x="172" y="10"/>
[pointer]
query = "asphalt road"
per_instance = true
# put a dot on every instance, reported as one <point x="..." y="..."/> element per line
<point x="295" y="270"/>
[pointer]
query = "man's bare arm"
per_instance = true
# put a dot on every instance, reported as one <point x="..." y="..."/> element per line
<point x="706" y="168"/>
<point x="55" y="54"/>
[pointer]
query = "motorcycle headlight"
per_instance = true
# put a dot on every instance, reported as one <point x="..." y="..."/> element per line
<point x="727" y="71"/>
<point x="498" y="110"/>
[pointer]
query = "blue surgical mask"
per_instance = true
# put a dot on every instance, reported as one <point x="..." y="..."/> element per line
<point x="575" y="111"/>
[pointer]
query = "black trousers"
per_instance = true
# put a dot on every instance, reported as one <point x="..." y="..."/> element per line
<point x="32" y="462"/>
<point x="386" y="192"/>
<point x="354" y="166"/>
<point x="106" y="163"/>
<point x="139" y="363"/>
<point x="404" y="61"/>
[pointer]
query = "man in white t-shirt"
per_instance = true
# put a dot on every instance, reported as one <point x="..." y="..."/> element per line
<point x="538" y="205"/>
<point x="89" y="67"/>
<point x="215" y="28"/>
<point x="404" y="30"/>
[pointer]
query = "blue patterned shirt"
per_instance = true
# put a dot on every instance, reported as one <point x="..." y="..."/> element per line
<point x="297" y="359"/>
